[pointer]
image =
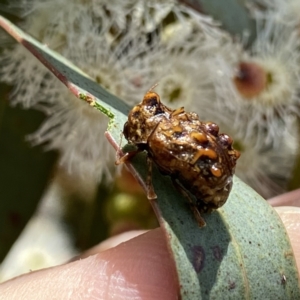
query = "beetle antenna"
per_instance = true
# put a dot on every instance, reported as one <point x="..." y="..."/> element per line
<point x="153" y="87"/>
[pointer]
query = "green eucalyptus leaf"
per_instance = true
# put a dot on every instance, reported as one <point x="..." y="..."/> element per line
<point x="242" y="253"/>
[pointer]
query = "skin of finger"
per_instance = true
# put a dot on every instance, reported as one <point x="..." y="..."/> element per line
<point x="290" y="217"/>
<point x="140" y="268"/>
<point x="288" y="199"/>
<point x="112" y="242"/>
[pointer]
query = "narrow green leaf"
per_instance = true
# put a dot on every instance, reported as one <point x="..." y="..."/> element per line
<point x="242" y="253"/>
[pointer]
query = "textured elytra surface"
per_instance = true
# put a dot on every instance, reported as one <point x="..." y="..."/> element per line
<point x="192" y="152"/>
<point x="242" y="253"/>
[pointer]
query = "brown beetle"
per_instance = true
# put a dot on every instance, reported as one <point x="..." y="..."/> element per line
<point x="193" y="153"/>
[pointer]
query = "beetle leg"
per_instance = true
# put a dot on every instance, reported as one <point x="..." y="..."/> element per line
<point x="150" y="189"/>
<point x="120" y="159"/>
<point x="177" y="111"/>
<point x="191" y="203"/>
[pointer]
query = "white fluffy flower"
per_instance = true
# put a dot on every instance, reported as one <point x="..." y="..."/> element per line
<point x="261" y="87"/>
<point x="184" y="82"/>
<point x="282" y="11"/>
<point x="124" y="46"/>
<point x="129" y="46"/>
